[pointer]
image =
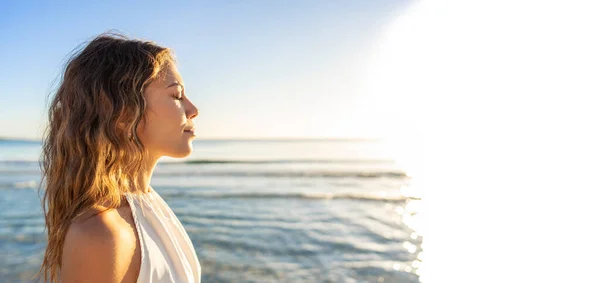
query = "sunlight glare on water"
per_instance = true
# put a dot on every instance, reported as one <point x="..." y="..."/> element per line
<point x="502" y="91"/>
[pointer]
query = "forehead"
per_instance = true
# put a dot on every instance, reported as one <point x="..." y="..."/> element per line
<point x="168" y="75"/>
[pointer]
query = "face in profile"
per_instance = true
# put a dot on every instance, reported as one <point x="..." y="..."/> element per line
<point x="169" y="129"/>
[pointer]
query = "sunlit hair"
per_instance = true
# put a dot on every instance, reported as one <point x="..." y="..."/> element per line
<point x="91" y="153"/>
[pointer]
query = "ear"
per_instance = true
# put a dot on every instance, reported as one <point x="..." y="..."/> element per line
<point x="122" y="128"/>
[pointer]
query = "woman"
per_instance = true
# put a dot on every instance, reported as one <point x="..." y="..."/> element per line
<point x="121" y="105"/>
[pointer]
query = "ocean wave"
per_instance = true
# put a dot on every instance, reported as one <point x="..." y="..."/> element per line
<point x="376" y="196"/>
<point x="285" y="161"/>
<point x="287" y="174"/>
<point x="20" y="162"/>
<point x="19" y="185"/>
<point x="254" y="174"/>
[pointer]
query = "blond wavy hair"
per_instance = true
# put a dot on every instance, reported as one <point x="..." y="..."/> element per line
<point x="91" y="152"/>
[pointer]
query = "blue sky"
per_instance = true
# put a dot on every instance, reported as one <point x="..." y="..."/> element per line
<point x="255" y="69"/>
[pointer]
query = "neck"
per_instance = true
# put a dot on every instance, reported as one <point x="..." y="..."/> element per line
<point x="146" y="172"/>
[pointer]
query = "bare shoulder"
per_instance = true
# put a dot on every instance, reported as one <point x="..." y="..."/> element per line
<point x="101" y="248"/>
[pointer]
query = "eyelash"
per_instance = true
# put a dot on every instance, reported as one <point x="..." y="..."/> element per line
<point x="179" y="97"/>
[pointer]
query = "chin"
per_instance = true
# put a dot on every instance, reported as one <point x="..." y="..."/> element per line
<point x="181" y="153"/>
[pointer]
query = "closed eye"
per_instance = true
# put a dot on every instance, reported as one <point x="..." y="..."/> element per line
<point x="179" y="96"/>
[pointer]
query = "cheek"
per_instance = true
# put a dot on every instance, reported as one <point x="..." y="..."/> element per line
<point x="162" y="124"/>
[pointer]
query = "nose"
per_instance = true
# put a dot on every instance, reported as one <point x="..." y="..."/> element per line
<point x="190" y="110"/>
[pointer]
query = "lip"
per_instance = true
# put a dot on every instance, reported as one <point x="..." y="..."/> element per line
<point x="190" y="132"/>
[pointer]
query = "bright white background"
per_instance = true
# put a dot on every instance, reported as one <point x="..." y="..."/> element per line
<point x="506" y="94"/>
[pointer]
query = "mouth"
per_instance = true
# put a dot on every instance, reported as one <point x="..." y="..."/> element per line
<point x="191" y="131"/>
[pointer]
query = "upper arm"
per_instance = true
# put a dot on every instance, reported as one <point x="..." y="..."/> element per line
<point x="95" y="252"/>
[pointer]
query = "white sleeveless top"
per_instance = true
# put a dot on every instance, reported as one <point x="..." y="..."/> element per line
<point x="166" y="249"/>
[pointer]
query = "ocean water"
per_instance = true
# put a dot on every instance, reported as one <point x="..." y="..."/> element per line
<point x="255" y="210"/>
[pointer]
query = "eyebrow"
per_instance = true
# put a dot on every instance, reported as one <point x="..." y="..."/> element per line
<point x="176" y="84"/>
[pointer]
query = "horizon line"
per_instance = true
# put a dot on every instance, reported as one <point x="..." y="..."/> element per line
<point x="242" y="139"/>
